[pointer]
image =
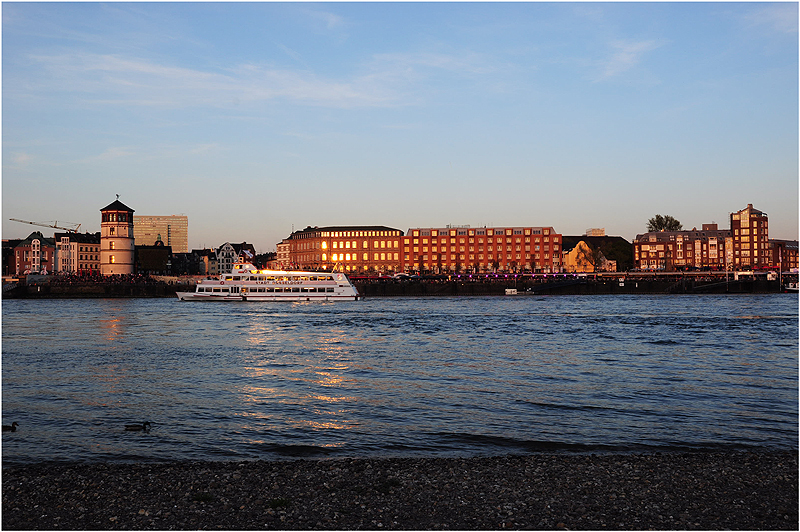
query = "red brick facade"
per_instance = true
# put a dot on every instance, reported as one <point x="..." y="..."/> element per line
<point x="357" y="249"/>
<point x="485" y="249"/>
<point x="708" y="248"/>
<point x="750" y="231"/>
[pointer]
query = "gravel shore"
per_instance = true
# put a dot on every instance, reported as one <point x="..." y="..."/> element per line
<point x="708" y="490"/>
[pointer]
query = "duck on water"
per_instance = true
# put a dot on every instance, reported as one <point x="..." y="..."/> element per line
<point x="11" y="428"/>
<point x="141" y="427"/>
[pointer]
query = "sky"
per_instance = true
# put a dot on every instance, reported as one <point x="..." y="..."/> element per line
<point x="257" y="119"/>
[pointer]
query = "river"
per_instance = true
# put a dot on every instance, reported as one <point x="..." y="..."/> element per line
<point x="397" y="376"/>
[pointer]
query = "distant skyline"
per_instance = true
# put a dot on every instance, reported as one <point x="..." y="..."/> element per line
<point x="256" y="118"/>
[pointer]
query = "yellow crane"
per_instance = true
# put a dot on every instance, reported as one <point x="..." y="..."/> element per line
<point x="74" y="229"/>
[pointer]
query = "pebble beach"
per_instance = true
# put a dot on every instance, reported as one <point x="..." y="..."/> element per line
<point x="657" y="491"/>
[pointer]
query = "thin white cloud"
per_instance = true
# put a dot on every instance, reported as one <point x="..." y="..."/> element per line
<point x="20" y="159"/>
<point x="110" y="154"/>
<point x="781" y="18"/>
<point x="468" y="63"/>
<point x="625" y="55"/>
<point x="330" y="20"/>
<point x="116" y="79"/>
<point x="291" y="53"/>
<point x="388" y="80"/>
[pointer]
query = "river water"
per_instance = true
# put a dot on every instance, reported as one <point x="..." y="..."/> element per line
<point x="397" y="376"/>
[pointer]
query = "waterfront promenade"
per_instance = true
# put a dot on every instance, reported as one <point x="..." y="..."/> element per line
<point x="437" y="285"/>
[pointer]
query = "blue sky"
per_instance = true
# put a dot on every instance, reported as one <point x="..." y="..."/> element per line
<point x="254" y="118"/>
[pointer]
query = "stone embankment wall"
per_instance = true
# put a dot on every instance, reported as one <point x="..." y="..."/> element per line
<point x="417" y="288"/>
<point x="97" y="290"/>
<point x="560" y="287"/>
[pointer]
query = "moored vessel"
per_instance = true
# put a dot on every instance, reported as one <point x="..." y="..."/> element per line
<point x="246" y="283"/>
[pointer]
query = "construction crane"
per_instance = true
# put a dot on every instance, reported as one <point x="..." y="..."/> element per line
<point x="74" y="229"/>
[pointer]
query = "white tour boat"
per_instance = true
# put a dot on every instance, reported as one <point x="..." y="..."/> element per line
<point x="246" y="283"/>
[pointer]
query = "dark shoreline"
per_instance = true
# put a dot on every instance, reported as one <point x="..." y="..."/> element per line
<point x="661" y="491"/>
<point x="557" y="284"/>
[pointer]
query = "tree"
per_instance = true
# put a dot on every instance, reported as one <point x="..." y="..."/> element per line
<point x="589" y="256"/>
<point x="663" y="223"/>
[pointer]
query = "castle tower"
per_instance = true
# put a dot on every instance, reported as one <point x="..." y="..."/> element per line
<point x="116" y="240"/>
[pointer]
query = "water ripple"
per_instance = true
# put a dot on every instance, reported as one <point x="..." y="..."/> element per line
<point x="398" y="376"/>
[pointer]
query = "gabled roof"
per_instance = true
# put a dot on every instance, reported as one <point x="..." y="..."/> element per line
<point x="117" y="206"/>
<point x="34" y="236"/>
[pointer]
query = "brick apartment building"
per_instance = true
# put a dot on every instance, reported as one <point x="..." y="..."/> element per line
<point x="484" y="249"/>
<point x="709" y="248"/>
<point x="77" y="253"/>
<point x="784" y="254"/>
<point x="381" y="249"/>
<point x="750" y="231"/>
<point x="745" y="246"/>
<point x="359" y="248"/>
<point x="34" y="254"/>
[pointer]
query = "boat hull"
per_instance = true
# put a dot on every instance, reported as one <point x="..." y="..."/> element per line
<point x="193" y="296"/>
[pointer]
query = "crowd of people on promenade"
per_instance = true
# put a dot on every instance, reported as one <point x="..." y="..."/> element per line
<point x="85" y="278"/>
<point x="540" y="278"/>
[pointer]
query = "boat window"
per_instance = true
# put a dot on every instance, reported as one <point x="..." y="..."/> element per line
<point x="217" y="289"/>
<point x="295" y="289"/>
<point x="330" y="289"/>
<point x="229" y="278"/>
<point x="270" y="278"/>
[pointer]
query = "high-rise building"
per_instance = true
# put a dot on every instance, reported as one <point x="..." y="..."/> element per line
<point x="172" y="230"/>
<point x="750" y="232"/>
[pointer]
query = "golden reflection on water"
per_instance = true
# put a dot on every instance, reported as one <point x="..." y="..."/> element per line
<point x="293" y="379"/>
<point x="112" y="328"/>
